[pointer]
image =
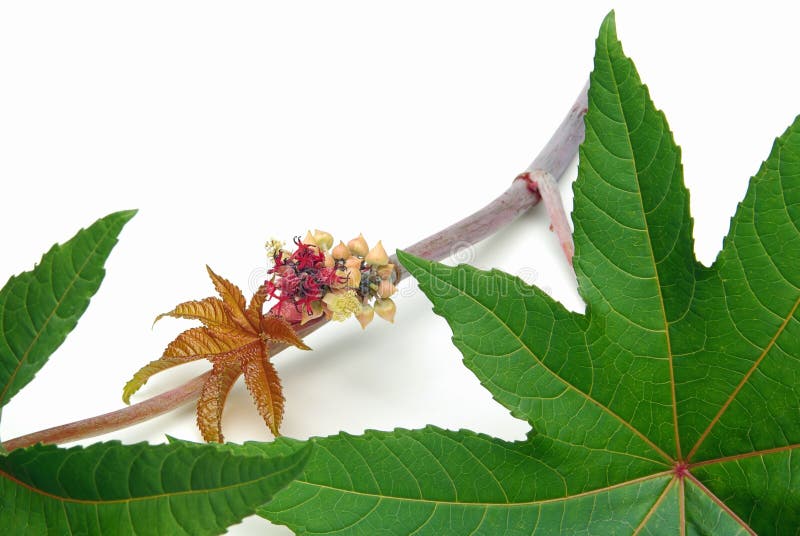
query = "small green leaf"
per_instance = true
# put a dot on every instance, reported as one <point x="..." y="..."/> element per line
<point x="110" y="488"/>
<point x="39" y="308"/>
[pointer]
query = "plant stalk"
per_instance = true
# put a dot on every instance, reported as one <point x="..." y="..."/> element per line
<point x="542" y="183"/>
<point x="516" y="200"/>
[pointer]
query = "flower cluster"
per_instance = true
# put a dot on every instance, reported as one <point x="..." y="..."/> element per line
<point x="347" y="280"/>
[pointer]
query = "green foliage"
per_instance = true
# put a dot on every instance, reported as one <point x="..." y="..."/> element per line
<point x="39" y="308"/>
<point x="110" y="488"/>
<point x="671" y="405"/>
<point x="444" y="482"/>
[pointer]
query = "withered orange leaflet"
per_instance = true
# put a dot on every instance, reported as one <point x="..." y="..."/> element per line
<point x="236" y="339"/>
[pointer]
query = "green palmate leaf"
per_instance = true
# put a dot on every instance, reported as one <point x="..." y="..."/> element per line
<point x="672" y="406"/>
<point x="110" y="488"/>
<point x="39" y="308"/>
<point x="435" y="481"/>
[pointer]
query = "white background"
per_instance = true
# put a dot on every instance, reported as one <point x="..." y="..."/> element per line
<point x="229" y="123"/>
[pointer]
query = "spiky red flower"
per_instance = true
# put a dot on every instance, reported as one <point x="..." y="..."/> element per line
<point x="299" y="280"/>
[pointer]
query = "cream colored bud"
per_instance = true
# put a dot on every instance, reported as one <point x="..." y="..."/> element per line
<point x="342" y="278"/>
<point x="358" y="246"/>
<point x="353" y="265"/>
<point x="386" y="289"/>
<point x="340" y="252"/>
<point x="324" y="240"/>
<point x="386" y="271"/>
<point x="309" y="239"/>
<point x="329" y="262"/>
<point x="385" y="309"/>
<point x="366" y="315"/>
<point x="316" y="312"/>
<point x="377" y="256"/>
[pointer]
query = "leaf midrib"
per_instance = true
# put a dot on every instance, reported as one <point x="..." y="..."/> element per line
<point x="59" y="302"/>
<point x="720" y="504"/>
<point x="165" y="495"/>
<point x="652" y="257"/>
<point x="483" y="504"/>
<point x="744" y="456"/>
<point x="658" y="502"/>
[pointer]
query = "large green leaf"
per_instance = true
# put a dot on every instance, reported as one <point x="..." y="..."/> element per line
<point x="39" y="308"/>
<point x="672" y="406"/>
<point x="110" y="488"/>
<point x="440" y="482"/>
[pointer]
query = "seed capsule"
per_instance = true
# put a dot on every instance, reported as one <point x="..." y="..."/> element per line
<point x="385" y="308"/>
<point x="377" y="256"/>
<point x="309" y="239"/>
<point x="366" y="315"/>
<point x="386" y="271"/>
<point x="353" y="265"/>
<point x="340" y="252"/>
<point x="324" y="240"/>
<point x="386" y="289"/>
<point x="358" y="246"/>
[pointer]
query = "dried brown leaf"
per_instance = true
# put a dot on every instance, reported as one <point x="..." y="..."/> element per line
<point x="212" y="400"/>
<point x="210" y="311"/>
<point x="276" y="329"/>
<point x="143" y="374"/>
<point x="204" y="342"/>
<point x="235" y="340"/>
<point x="264" y="385"/>
<point x="256" y="306"/>
<point x="232" y="297"/>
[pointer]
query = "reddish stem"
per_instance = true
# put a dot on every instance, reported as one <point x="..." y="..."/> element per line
<point x="542" y="183"/>
<point x="517" y="199"/>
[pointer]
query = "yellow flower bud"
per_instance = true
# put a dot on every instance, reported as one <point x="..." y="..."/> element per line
<point x="366" y="315"/>
<point x="386" y="289"/>
<point x="324" y="240"/>
<point x="385" y="308"/>
<point x="273" y="247"/>
<point x="340" y="252"/>
<point x="377" y="256"/>
<point x="353" y="265"/>
<point x="386" y="271"/>
<point x="358" y="246"/>
<point x="329" y="262"/>
<point x="342" y="304"/>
